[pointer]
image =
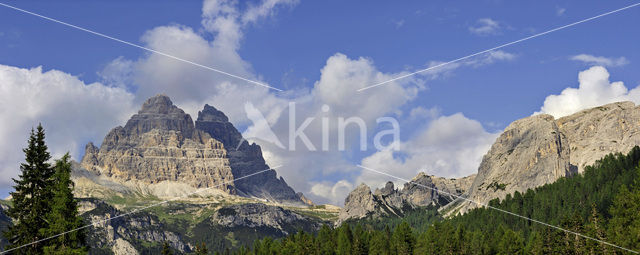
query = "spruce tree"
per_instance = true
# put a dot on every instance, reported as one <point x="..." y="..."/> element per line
<point x="624" y="226"/>
<point x="403" y="239"/>
<point x="63" y="216"/>
<point x="31" y="198"/>
<point x="345" y="238"/>
<point x="202" y="249"/>
<point x="166" y="250"/>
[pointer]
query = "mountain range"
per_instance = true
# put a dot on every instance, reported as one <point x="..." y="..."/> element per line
<point x="171" y="180"/>
<point x="529" y="153"/>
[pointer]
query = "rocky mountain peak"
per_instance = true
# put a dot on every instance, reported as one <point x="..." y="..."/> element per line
<point x="159" y="112"/>
<point x="423" y="190"/>
<point x="539" y="149"/>
<point x="217" y="125"/>
<point x="246" y="159"/>
<point x="159" y="104"/>
<point x="211" y="114"/>
<point x="161" y="149"/>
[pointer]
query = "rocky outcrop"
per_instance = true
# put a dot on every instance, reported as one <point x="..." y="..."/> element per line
<point x="423" y="190"/>
<point x="539" y="149"/>
<point x="160" y="145"/>
<point x="246" y="159"/>
<point x="596" y="132"/>
<point x="126" y="235"/>
<point x="257" y="215"/>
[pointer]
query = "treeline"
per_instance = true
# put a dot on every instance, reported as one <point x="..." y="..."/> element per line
<point x="602" y="203"/>
<point x="43" y="206"/>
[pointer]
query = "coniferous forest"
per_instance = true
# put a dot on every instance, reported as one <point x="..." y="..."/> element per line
<point x="602" y="203"/>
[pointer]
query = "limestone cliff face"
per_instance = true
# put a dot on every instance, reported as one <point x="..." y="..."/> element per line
<point x="160" y="144"/>
<point x="246" y="159"/>
<point x="423" y="190"/>
<point x="596" y="132"/>
<point x="160" y="151"/>
<point x="539" y="149"/>
<point x="122" y="234"/>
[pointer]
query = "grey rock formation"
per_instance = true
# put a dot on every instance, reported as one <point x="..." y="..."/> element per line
<point x="160" y="143"/>
<point x="123" y="234"/>
<point x="423" y="190"/>
<point x="246" y="159"/>
<point x="257" y="215"/>
<point x="538" y="150"/>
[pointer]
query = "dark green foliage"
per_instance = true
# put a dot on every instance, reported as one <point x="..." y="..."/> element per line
<point x="403" y="241"/>
<point x="166" y="249"/>
<point x="43" y="205"/>
<point x="63" y="216"/>
<point x="597" y="203"/>
<point x="31" y="198"/>
<point x="201" y="249"/>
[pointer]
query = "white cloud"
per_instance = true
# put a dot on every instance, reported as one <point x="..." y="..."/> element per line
<point x="485" y="26"/>
<point x="191" y="87"/>
<point x="449" y="146"/>
<point x="334" y="193"/>
<point x="601" y="61"/>
<point x="560" y="11"/>
<point x="594" y="89"/>
<point x="474" y="62"/>
<point x="71" y="112"/>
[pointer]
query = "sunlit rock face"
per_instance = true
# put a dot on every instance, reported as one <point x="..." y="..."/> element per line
<point x="539" y="149"/>
<point x="160" y="146"/>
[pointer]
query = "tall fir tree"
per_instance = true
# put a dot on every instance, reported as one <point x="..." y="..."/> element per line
<point x="345" y="238"/>
<point x="201" y="249"/>
<point x="403" y="239"/>
<point x="31" y="198"/>
<point x="63" y="217"/>
<point x="166" y="249"/>
<point x="624" y="226"/>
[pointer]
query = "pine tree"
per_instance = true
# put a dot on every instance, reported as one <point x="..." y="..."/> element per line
<point x="379" y="244"/>
<point x="202" y="249"/>
<point x="63" y="216"/>
<point x="596" y="230"/>
<point x="31" y="198"/>
<point x="345" y="238"/>
<point x="166" y="250"/>
<point x="624" y="226"/>
<point x="403" y="239"/>
<point x="511" y="243"/>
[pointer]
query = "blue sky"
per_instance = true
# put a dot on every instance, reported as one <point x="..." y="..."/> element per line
<point x="288" y="48"/>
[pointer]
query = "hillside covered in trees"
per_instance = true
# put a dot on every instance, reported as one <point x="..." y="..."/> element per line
<point x="603" y="203"/>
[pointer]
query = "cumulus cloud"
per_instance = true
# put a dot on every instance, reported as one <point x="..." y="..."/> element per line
<point x="594" y="89"/>
<point x="76" y="113"/>
<point x="333" y="193"/>
<point x="332" y="97"/>
<point x="601" y="61"/>
<point x="448" y="146"/>
<point x="485" y="26"/>
<point x="71" y="112"/>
